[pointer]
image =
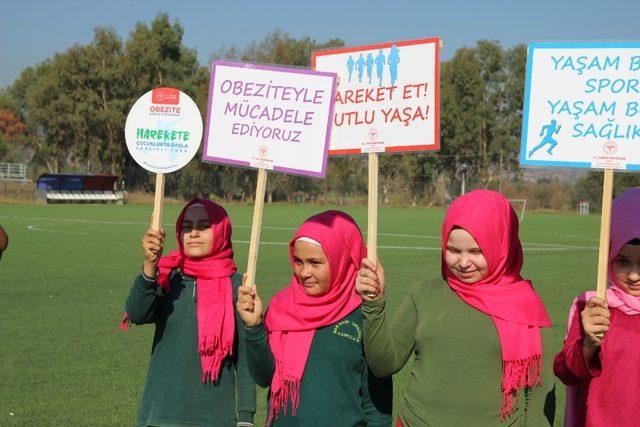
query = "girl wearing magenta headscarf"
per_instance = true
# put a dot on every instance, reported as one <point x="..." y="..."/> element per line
<point x="197" y="360"/>
<point x="309" y="347"/>
<point x="600" y="361"/>
<point x="480" y="334"/>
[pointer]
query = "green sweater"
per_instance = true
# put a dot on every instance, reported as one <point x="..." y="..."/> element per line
<point x="456" y="375"/>
<point x="337" y="389"/>
<point x="173" y="392"/>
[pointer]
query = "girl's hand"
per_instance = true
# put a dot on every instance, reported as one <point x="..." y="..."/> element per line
<point x="152" y="246"/>
<point x="370" y="281"/>
<point x="595" y="323"/>
<point x="249" y="304"/>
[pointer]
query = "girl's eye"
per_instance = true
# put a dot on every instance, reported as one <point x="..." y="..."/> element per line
<point x="622" y="261"/>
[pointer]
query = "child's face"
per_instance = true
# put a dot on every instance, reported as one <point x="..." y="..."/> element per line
<point x="311" y="267"/>
<point x="464" y="257"/>
<point x="196" y="233"/>
<point x="626" y="269"/>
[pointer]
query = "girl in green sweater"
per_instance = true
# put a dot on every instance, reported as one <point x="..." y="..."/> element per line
<point x="308" y="349"/>
<point x="197" y="363"/>
<point x="480" y="334"/>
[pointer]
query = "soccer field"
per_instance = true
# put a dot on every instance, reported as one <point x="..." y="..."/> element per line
<point x="69" y="268"/>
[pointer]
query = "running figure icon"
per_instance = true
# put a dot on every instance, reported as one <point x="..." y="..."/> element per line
<point x="551" y="129"/>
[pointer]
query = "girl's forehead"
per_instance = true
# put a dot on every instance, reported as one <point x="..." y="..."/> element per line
<point x="195" y="213"/>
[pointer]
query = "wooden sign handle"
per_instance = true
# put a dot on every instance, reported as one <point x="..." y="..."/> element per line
<point x="158" y="202"/>
<point x="605" y="226"/>
<point x="372" y="213"/>
<point x="255" y="227"/>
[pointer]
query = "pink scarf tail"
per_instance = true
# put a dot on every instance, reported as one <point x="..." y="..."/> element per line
<point x="212" y="353"/>
<point x="517" y="374"/>
<point x="284" y="390"/>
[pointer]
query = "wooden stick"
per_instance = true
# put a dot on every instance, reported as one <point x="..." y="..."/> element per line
<point x="605" y="224"/>
<point x="372" y="211"/>
<point x="255" y="227"/>
<point x="372" y="216"/>
<point x="158" y="202"/>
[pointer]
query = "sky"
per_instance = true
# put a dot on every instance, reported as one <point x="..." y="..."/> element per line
<point x="32" y="31"/>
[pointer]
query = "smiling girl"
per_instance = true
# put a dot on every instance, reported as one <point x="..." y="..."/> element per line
<point x="308" y="349"/>
<point x="197" y="360"/>
<point x="599" y="361"/>
<point x="480" y="334"/>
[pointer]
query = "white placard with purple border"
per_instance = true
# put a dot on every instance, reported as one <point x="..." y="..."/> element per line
<point x="269" y="117"/>
<point x="163" y="130"/>
<point x="582" y="106"/>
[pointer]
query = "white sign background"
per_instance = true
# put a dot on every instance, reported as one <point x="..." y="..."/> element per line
<point x="171" y="151"/>
<point x="592" y="91"/>
<point x="299" y="149"/>
<point x="409" y="130"/>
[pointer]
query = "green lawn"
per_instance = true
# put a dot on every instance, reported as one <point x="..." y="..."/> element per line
<point x="69" y="268"/>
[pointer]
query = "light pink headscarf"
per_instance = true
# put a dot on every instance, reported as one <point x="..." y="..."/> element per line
<point x="625" y="226"/>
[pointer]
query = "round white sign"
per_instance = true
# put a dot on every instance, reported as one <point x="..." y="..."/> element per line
<point x="163" y="130"/>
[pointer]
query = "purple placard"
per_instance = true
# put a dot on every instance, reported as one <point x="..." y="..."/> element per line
<point x="293" y="71"/>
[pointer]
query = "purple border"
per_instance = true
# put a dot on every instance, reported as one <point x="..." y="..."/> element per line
<point x="302" y="172"/>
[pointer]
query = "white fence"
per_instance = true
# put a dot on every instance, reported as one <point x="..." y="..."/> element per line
<point x="13" y="171"/>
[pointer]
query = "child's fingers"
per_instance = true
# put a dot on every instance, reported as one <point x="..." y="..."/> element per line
<point x="368" y="264"/>
<point x="367" y="290"/>
<point x="366" y="281"/>
<point x="596" y="302"/>
<point x="366" y="272"/>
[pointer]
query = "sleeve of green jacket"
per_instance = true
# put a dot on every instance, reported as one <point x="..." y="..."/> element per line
<point x="245" y="386"/>
<point x="388" y="345"/>
<point x="377" y="399"/>
<point x="540" y="407"/>
<point x="260" y="359"/>
<point x="141" y="303"/>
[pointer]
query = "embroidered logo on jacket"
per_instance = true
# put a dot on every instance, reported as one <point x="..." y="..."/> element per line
<point x="349" y="330"/>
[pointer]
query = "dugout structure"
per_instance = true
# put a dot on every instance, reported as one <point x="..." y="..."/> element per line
<point x="79" y="188"/>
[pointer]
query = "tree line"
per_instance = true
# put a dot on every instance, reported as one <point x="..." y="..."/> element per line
<point x="67" y="114"/>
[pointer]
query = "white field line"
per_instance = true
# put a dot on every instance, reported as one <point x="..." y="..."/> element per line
<point x="544" y="247"/>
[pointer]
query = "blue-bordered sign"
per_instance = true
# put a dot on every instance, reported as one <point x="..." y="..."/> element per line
<point x="582" y="106"/>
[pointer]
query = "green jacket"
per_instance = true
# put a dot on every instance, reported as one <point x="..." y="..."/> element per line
<point x="173" y="392"/>
<point x="337" y="388"/>
<point x="457" y="371"/>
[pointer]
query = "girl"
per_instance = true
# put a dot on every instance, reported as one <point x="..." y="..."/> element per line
<point x="309" y="347"/>
<point x="198" y="353"/>
<point x="599" y="361"/>
<point x="477" y="333"/>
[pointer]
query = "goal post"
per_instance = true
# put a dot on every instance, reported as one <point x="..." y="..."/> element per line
<point x="520" y="206"/>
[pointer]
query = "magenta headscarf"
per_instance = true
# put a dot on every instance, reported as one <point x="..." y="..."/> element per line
<point x="214" y="294"/>
<point x="515" y="308"/>
<point x="293" y="316"/>
<point x="625" y="227"/>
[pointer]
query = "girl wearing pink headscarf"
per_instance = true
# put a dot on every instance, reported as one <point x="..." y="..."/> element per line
<point x="197" y="363"/>
<point x="600" y="361"/>
<point x="480" y="334"/>
<point x="308" y="349"/>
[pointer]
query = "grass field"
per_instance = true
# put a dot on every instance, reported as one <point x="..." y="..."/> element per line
<point x="69" y="268"/>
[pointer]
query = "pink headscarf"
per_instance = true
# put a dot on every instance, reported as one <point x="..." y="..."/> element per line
<point x="214" y="294"/>
<point x="515" y="308"/>
<point x="624" y="228"/>
<point x="293" y="316"/>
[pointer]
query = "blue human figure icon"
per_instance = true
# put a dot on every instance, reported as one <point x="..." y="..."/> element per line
<point x="369" y="63"/>
<point x="548" y="131"/>
<point x="360" y="67"/>
<point x="393" y="60"/>
<point x="380" y="60"/>
<point x="350" y="64"/>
